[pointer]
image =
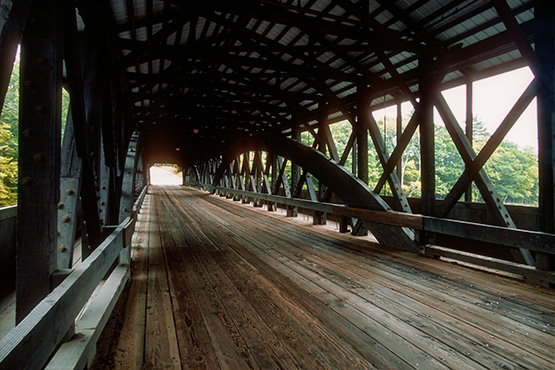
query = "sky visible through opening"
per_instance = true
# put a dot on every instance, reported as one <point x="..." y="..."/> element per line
<point x="493" y="99"/>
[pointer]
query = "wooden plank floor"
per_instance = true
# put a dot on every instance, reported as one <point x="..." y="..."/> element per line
<point x="221" y="285"/>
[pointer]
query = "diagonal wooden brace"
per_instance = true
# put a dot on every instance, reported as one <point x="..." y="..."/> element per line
<point x="474" y="168"/>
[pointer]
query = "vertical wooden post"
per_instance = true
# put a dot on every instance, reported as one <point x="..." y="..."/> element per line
<point x="268" y="168"/>
<point x="295" y="173"/>
<point x="246" y="170"/>
<point x="239" y="178"/>
<point x="361" y="154"/>
<point x="255" y="178"/>
<point x="362" y="146"/>
<point x="343" y="225"/>
<point x="427" y="150"/>
<point x="39" y="155"/>
<point x="545" y="49"/>
<point x="354" y="155"/>
<point x="399" y="132"/>
<point x="469" y="126"/>
<point x="326" y="141"/>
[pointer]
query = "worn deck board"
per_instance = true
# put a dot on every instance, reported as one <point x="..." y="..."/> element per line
<point x="243" y="288"/>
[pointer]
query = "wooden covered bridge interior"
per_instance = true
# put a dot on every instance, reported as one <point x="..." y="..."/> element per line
<point x="343" y="273"/>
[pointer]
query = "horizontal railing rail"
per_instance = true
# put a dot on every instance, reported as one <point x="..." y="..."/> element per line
<point x="33" y="341"/>
<point x="501" y="236"/>
<point x="8" y="212"/>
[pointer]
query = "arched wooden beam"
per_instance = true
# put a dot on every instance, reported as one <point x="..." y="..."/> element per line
<point x="348" y="188"/>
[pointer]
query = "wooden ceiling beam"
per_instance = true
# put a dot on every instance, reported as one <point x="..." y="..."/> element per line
<point x="231" y="82"/>
<point x="211" y="49"/>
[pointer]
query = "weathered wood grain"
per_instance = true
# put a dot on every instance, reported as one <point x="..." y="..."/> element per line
<point x="257" y="290"/>
<point x="32" y="342"/>
<point x="161" y="351"/>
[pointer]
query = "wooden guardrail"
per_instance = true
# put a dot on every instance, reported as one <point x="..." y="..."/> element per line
<point x="31" y="343"/>
<point x="503" y="237"/>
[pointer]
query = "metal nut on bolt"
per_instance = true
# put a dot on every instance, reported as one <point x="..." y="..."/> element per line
<point x="41" y="108"/>
<point x="28" y="133"/>
<point x="42" y="61"/>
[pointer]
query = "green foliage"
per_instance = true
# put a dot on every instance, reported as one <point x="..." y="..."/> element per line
<point x="512" y="170"/>
<point x="8" y="169"/>
<point x="9" y="132"/>
<point x="449" y="164"/>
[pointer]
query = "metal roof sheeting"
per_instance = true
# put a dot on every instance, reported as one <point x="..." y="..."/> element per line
<point x="289" y="55"/>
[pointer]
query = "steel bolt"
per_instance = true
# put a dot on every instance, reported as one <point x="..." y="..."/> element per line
<point x="38" y="157"/>
<point x="66" y="219"/>
<point x="28" y="133"/>
<point x="62" y="248"/>
<point x="42" y="61"/>
<point x="61" y="205"/>
<point x="26" y="180"/>
<point x="41" y="109"/>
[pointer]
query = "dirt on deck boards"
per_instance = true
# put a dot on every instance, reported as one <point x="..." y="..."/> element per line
<point x="217" y="284"/>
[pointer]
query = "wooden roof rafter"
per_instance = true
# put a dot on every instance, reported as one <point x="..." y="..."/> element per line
<point x="282" y="58"/>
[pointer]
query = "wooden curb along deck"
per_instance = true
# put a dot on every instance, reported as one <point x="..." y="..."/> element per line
<point x="226" y="286"/>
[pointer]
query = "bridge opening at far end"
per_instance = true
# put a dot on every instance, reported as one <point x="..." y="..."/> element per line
<point x="165" y="174"/>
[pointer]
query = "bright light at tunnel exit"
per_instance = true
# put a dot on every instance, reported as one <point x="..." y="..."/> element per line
<point x="164" y="176"/>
